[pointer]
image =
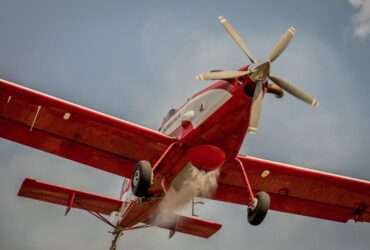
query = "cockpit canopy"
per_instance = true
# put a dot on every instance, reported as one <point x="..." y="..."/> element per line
<point x="170" y="113"/>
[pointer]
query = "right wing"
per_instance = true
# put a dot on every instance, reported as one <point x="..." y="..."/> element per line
<point x="74" y="132"/>
<point x="298" y="190"/>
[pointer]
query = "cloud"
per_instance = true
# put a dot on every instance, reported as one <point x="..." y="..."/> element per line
<point x="361" y="20"/>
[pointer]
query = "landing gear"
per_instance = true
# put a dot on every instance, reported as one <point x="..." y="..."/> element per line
<point x="257" y="213"/>
<point x="141" y="178"/>
<point x="258" y="204"/>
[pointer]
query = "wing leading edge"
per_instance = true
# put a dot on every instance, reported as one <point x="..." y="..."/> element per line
<point x="75" y="132"/>
<point x="298" y="190"/>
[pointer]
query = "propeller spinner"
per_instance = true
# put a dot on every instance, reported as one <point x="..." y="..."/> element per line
<point x="259" y="72"/>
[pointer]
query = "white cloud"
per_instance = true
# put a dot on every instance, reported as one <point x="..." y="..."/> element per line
<point x="361" y="20"/>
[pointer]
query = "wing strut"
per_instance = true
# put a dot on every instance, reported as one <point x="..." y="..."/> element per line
<point x="71" y="200"/>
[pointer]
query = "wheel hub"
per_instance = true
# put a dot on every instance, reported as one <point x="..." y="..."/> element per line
<point x="136" y="178"/>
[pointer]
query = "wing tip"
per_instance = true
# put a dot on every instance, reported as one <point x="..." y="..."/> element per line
<point x="222" y="19"/>
<point x="24" y="186"/>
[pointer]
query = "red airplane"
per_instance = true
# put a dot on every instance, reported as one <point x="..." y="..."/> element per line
<point x="196" y="143"/>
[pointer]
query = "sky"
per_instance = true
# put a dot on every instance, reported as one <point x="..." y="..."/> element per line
<point x="137" y="59"/>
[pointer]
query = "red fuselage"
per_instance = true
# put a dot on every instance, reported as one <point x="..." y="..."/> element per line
<point x="224" y="127"/>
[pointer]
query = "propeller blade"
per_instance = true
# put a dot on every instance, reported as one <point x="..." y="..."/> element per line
<point x="282" y="44"/>
<point x="293" y="90"/>
<point x="272" y="88"/>
<point x="256" y="111"/>
<point x="220" y="75"/>
<point x="237" y="38"/>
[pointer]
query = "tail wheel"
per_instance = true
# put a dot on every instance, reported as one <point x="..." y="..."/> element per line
<point x="258" y="213"/>
<point x="141" y="179"/>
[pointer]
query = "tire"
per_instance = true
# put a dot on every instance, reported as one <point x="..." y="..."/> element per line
<point x="141" y="179"/>
<point x="257" y="214"/>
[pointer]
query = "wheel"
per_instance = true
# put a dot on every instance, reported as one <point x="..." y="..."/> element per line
<point x="257" y="214"/>
<point x="141" y="178"/>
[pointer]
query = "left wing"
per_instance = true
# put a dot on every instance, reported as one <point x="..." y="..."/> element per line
<point x="75" y="132"/>
<point x="298" y="190"/>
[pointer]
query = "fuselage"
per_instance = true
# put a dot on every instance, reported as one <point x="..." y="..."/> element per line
<point x="217" y="115"/>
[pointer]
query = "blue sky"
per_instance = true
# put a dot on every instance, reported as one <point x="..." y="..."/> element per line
<point x="136" y="59"/>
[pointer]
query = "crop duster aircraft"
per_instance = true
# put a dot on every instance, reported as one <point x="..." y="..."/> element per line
<point x="203" y="136"/>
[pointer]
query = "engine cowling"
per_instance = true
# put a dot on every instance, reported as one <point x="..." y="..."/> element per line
<point x="206" y="157"/>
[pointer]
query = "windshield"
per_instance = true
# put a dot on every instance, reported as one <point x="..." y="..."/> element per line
<point x="170" y="113"/>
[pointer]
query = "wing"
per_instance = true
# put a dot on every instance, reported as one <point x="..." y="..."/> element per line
<point x="74" y="132"/>
<point x="298" y="190"/>
<point x="68" y="197"/>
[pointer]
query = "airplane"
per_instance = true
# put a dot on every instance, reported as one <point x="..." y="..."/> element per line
<point x="195" y="153"/>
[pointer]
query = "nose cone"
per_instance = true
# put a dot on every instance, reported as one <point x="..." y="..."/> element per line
<point x="260" y="71"/>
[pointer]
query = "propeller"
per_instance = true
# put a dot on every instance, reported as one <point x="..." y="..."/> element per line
<point x="260" y="73"/>
<point x="281" y="45"/>
<point x="256" y="110"/>
<point x="216" y="75"/>
<point x="295" y="91"/>
<point x="237" y="38"/>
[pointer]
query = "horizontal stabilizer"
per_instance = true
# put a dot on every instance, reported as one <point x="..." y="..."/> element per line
<point x="187" y="225"/>
<point x="68" y="197"/>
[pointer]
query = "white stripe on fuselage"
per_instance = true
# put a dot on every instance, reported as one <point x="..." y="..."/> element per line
<point x="203" y="105"/>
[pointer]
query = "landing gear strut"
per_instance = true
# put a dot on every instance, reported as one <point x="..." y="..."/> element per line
<point x="142" y="178"/>
<point x="258" y="204"/>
